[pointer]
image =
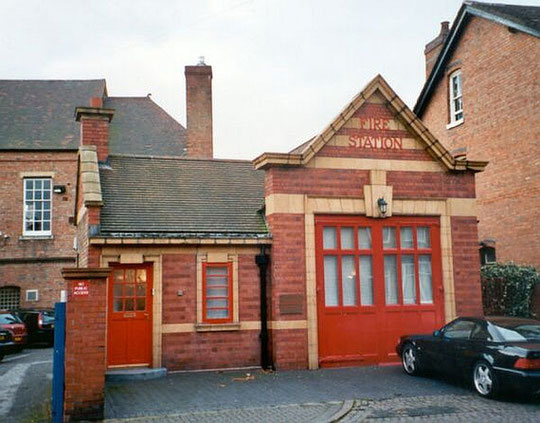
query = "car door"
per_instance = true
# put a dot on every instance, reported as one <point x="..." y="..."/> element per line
<point x="455" y="342"/>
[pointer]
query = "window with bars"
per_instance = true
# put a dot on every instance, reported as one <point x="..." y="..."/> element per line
<point x="37" y="206"/>
<point x="10" y="297"/>
<point x="217" y="293"/>
<point x="455" y="98"/>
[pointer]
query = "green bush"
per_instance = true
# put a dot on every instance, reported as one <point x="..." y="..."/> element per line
<point x="507" y="289"/>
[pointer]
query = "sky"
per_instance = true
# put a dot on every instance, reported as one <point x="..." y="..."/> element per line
<point x="283" y="69"/>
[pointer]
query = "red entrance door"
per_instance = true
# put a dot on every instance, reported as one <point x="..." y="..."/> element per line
<point x="377" y="279"/>
<point x="129" y="338"/>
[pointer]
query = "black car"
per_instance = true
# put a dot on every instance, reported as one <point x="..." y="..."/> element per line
<point x="39" y="325"/>
<point x="496" y="353"/>
<point x="7" y="345"/>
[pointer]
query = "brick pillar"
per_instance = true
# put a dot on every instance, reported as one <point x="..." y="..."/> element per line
<point x="199" y="111"/>
<point x="85" y="353"/>
<point x="95" y="127"/>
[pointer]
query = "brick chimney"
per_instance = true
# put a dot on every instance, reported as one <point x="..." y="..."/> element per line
<point x="199" y="110"/>
<point x="434" y="47"/>
<point x="95" y="126"/>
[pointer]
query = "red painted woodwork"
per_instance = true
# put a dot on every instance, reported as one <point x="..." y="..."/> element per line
<point x="129" y="331"/>
<point x="217" y="287"/>
<point x="357" y="334"/>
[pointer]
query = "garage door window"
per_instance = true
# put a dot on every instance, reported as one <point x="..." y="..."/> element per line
<point x="401" y="251"/>
<point x="407" y="268"/>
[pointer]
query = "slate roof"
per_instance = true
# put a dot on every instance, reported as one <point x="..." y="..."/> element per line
<point x="179" y="197"/>
<point x="521" y="18"/>
<point x="140" y="126"/>
<point x="39" y="115"/>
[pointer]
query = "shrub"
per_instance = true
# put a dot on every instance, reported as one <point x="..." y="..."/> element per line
<point x="507" y="289"/>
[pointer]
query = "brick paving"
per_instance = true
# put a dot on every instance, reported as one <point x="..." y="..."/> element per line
<point x="370" y="394"/>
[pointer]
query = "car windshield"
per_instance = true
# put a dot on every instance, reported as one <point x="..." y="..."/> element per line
<point x="9" y="319"/>
<point x="520" y="332"/>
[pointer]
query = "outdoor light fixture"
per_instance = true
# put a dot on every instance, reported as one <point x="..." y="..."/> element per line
<point x="59" y="189"/>
<point x="382" y="206"/>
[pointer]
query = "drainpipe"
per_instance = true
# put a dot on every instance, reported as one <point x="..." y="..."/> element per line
<point x="262" y="261"/>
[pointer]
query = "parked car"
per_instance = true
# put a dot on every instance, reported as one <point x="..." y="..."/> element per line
<point x="15" y="325"/>
<point x="39" y="325"/>
<point x="497" y="353"/>
<point x="6" y="343"/>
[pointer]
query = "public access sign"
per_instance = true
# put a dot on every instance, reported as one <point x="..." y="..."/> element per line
<point x="80" y="289"/>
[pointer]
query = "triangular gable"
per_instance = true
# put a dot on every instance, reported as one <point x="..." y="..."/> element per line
<point x="403" y="120"/>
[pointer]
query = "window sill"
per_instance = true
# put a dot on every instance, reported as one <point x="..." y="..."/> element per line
<point x="454" y="124"/>
<point x="35" y="237"/>
<point x="217" y="327"/>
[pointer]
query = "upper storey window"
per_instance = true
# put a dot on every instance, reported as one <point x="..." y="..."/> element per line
<point x="455" y="99"/>
<point x="37" y="206"/>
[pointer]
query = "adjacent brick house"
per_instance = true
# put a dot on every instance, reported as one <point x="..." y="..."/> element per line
<point x="318" y="257"/>
<point x="39" y="140"/>
<point x="481" y="97"/>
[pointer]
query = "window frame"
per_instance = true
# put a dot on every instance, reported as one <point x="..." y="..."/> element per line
<point x="230" y="297"/>
<point x="453" y="112"/>
<point x="377" y="253"/>
<point x="40" y="233"/>
<point x="28" y="291"/>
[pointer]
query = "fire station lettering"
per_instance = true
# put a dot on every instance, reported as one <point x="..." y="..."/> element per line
<point x="383" y="142"/>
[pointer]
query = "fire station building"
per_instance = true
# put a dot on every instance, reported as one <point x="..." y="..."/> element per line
<point x="322" y="256"/>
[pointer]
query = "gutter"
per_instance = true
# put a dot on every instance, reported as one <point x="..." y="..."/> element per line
<point x="262" y="261"/>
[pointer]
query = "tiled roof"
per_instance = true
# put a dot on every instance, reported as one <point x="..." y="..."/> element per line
<point x="178" y="197"/>
<point x="38" y="115"/>
<point x="521" y="18"/>
<point x="525" y="16"/>
<point x="140" y="126"/>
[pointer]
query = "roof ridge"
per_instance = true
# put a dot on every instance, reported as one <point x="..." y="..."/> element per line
<point x="194" y="159"/>
<point x="53" y="80"/>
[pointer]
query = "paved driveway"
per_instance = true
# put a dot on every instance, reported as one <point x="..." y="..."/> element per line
<point x="25" y="386"/>
<point x="352" y="394"/>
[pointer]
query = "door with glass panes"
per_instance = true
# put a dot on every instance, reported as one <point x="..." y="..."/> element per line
<point x="129" y="331"/>
<point x="377" y="279"/>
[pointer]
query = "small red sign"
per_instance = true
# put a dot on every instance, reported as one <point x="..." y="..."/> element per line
<point x="80" y="288"/>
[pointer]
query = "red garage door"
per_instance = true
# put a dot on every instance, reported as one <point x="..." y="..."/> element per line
<point x="377" y="279"/>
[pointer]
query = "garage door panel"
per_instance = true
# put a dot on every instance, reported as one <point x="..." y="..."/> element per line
<point x="377" y="279"/>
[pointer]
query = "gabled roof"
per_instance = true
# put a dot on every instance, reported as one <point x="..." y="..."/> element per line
<point x="521" y="18"/>
<point x="141" y="127"/>
<point x="173" y="197"/>
<point x="301" y="155"/>
<point x="39" y="115"/>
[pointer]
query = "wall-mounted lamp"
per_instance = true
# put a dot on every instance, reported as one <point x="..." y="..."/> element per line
<point x="59" y="189"/>
<point x="383" y="206"/>
<point x="4" y="238"/>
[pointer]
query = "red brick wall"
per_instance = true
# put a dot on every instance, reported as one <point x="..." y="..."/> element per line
<point x="500" y="103"/>
<point x="199" y="111"/>
<point x="85" y="352"/>
<point x="44" y="276"/>
<point x="466" y="263"/>
<point x="95" y="131"/>
<point x="208" y="350"/>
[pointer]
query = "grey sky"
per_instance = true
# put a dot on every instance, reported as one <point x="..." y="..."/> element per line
<point x="282" y="68"/>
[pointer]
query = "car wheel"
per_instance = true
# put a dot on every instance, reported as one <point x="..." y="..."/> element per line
<point x="484" y="380"/>
<point x="409" y="359"/>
